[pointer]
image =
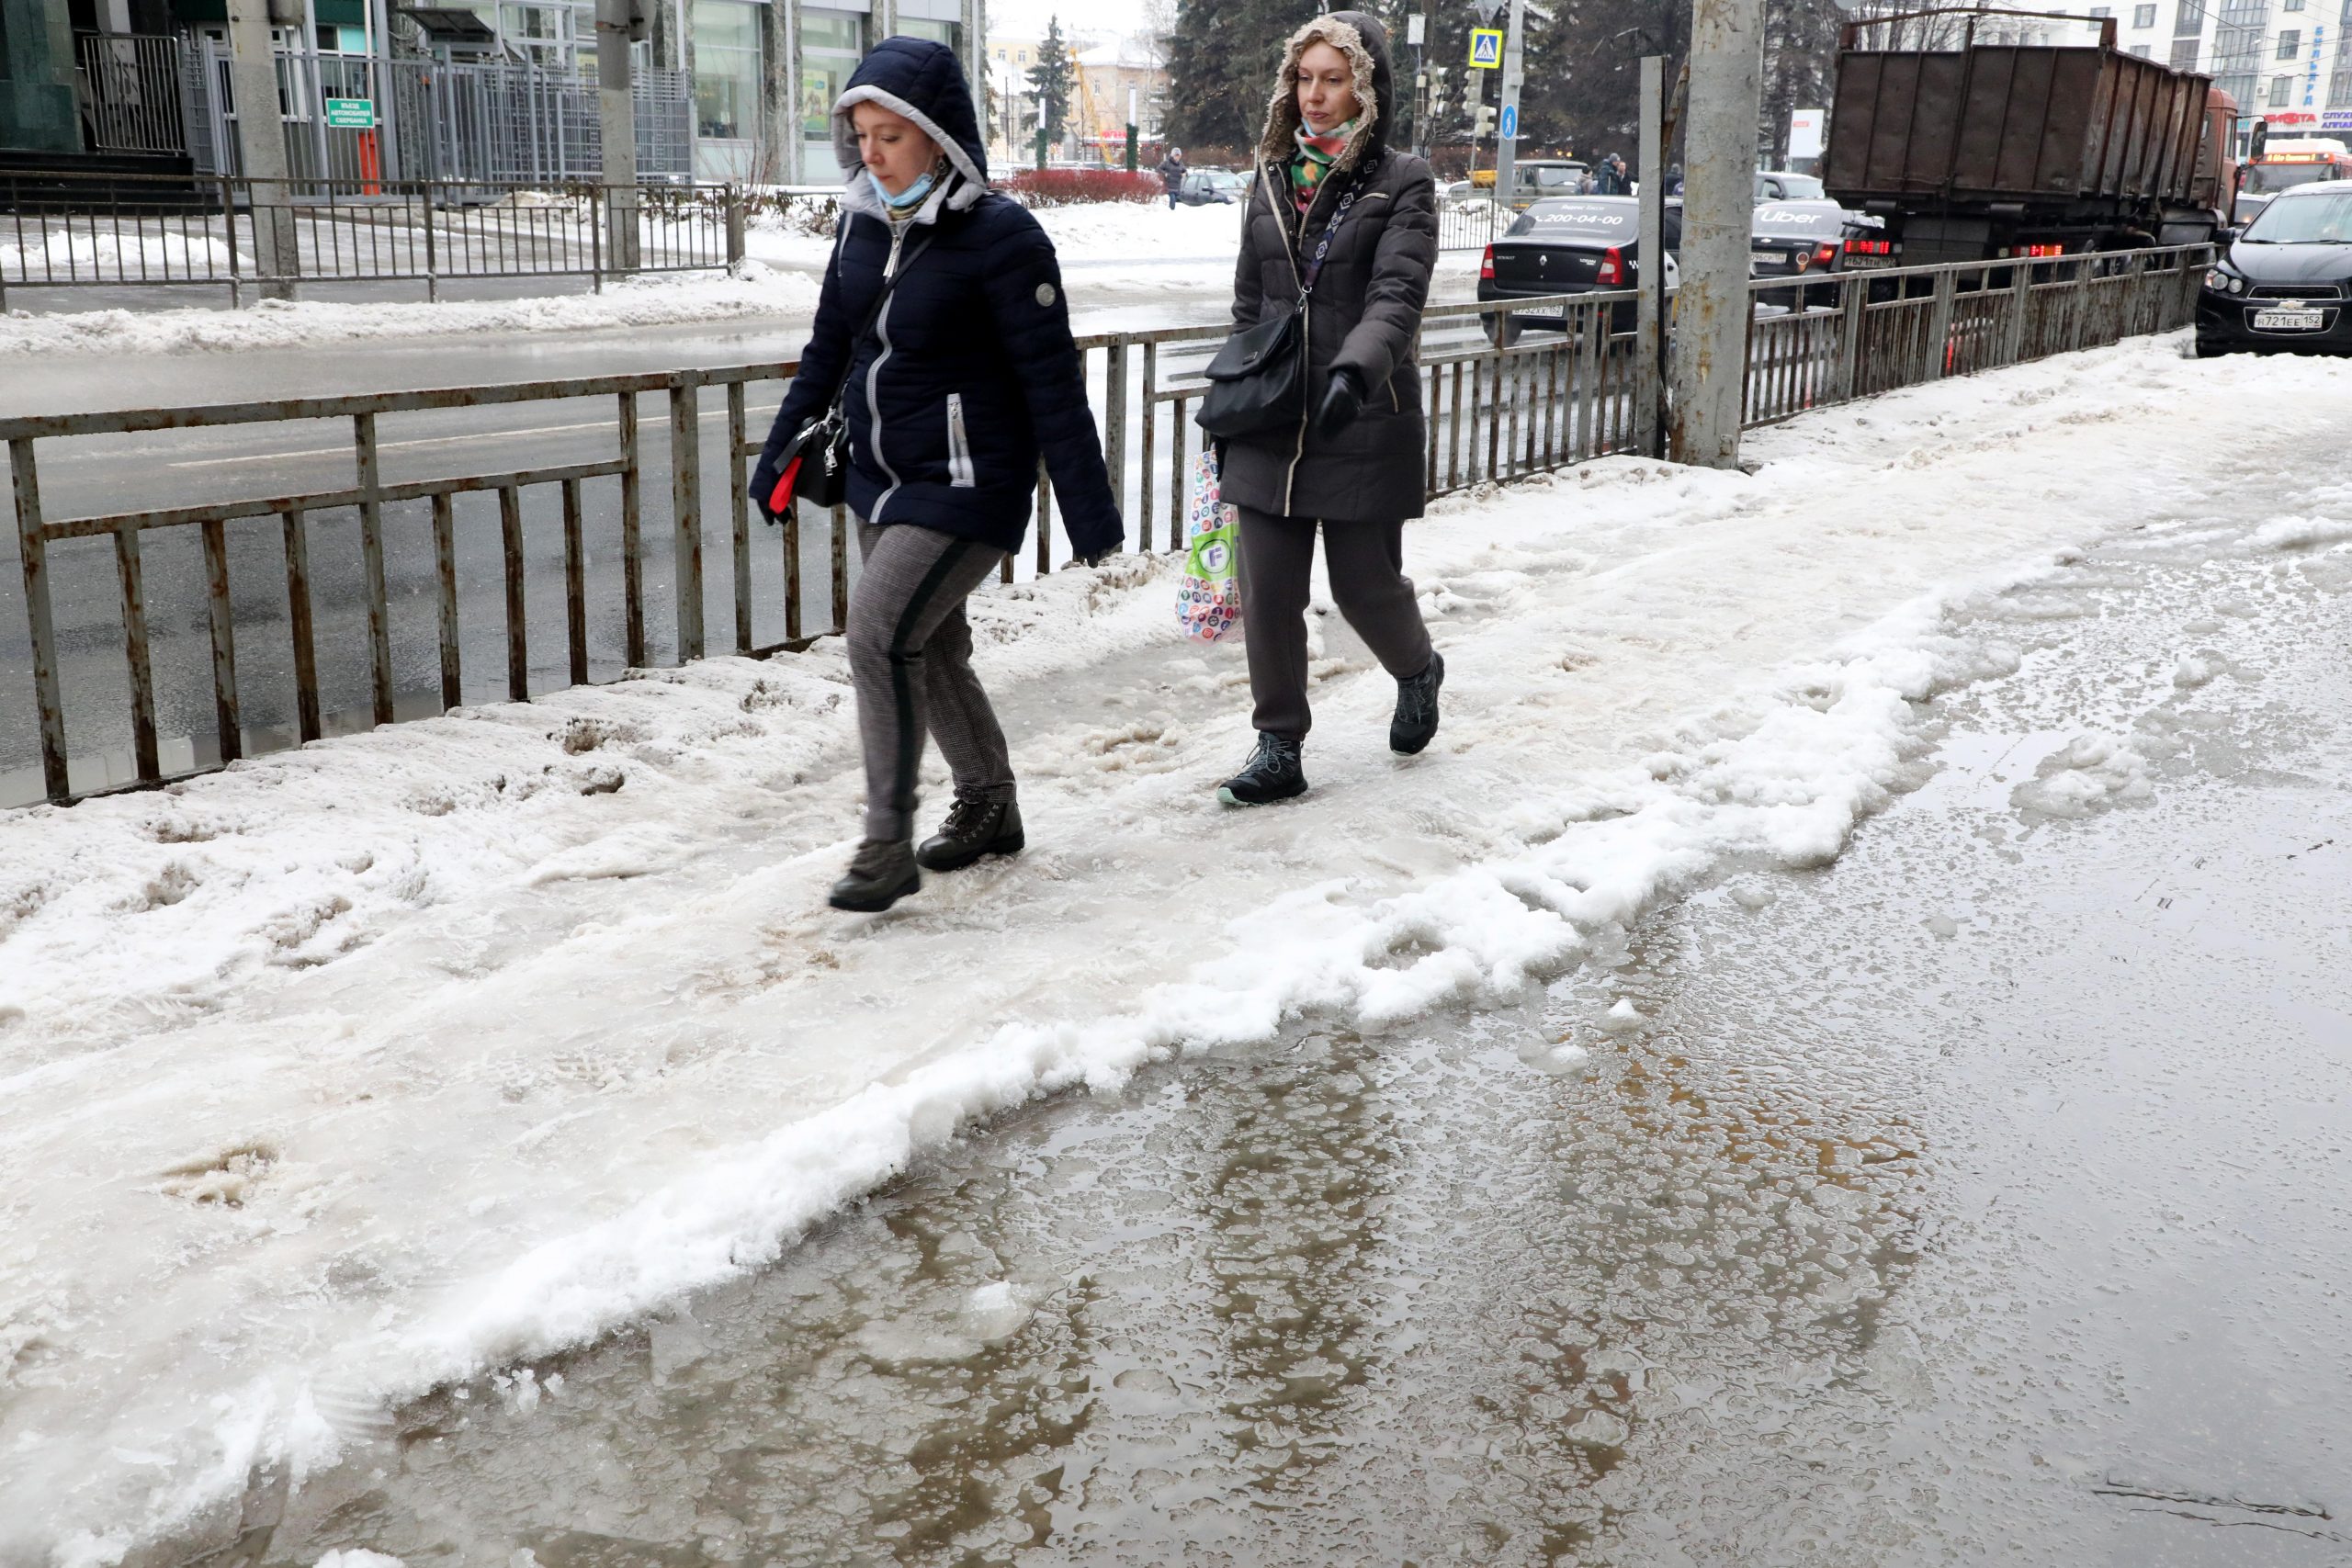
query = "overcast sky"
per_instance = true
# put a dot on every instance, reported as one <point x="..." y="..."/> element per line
<point x="1026" y="18"/>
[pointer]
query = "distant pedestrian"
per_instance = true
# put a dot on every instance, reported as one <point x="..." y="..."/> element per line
<point x="1171" y="174"/>
<point x="955" y="382"/>
<point x="1352" y="467"/>
<point x="1674" y="180"/>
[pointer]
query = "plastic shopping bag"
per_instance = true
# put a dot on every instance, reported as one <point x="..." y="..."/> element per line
<point x="1209" y="601"/>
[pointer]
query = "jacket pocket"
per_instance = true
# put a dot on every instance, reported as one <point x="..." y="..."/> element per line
<point x="959" y="446"/>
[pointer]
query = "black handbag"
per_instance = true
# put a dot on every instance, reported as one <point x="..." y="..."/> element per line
<point x="814" y="464"/>
<point x="1258" y="380"/>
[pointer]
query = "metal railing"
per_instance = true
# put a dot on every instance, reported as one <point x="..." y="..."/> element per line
<point x="80" y="230"/>
<point x="129" y="86"/>
<point x="400" y="575"/>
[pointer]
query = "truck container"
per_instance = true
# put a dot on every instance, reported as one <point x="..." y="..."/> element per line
<point x="1972" y="149"/>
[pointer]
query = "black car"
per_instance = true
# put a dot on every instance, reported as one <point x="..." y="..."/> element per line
<point x="1571" y="246"/>
<point x="1799" y="240"/>
<point x="2285" y="281"/>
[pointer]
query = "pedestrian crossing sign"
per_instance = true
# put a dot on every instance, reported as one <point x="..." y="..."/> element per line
<point x="1486" y="48"/>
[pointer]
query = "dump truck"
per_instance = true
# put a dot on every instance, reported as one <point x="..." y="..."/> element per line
<point x="1972" y="148"/>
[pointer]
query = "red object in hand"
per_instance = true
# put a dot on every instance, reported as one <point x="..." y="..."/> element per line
<point x="780" y="499"/>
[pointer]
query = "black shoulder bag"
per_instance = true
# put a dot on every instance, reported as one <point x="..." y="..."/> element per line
<point x="1258" y="380"/>
<point x="825" y="482"/>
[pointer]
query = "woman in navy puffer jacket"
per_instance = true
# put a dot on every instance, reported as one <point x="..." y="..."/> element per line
<point x="967" y="377"/>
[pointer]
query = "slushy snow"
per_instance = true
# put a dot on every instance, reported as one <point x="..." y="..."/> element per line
<point x="418" y="1054"/>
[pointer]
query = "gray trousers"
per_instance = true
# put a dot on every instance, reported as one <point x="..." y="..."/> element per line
<point x="910" y="659"/>
<point x="1368" y="582"/>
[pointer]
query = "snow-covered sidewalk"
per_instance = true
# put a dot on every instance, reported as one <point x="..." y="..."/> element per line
<point x="364" y="1066"/>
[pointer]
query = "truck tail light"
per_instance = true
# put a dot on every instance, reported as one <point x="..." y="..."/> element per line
<point x="1612" y="267"/>
<point x="1868" y="247"/>
<point x="1486" y="265"/>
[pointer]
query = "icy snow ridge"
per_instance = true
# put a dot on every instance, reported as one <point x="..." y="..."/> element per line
<point x="419" y="1052"/>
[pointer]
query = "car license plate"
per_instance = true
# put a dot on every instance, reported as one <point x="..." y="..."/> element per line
<point x="1767" y="259"/>
<point x="2290" y="321"/>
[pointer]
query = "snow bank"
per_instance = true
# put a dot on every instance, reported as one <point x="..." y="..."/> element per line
<point x="646" y="301"/>
<point x="413" y="1054"/>
<point x="103" y="255"/>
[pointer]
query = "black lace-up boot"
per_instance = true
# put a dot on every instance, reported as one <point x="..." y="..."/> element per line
<point x="1274" y="772"/>
<point x="882" y="873"/>
<point x="973" y="829"/>
<point x="1416" y="720"/>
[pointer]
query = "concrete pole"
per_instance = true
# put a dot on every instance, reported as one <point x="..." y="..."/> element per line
<point x="1710" y="316"/>
<point x="1649" y="342"/>
<point x="617" y="120"/>
<point x="1506" y="116"/>
<point x="261" y="145"/>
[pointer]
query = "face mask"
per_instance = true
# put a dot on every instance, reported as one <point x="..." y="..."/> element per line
<point x="909" y="198"/>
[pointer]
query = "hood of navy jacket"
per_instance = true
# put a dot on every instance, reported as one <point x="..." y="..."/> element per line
<point x="924" y="82"/>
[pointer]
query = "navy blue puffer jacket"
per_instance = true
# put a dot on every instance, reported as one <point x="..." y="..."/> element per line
<point x="969" y="372"/>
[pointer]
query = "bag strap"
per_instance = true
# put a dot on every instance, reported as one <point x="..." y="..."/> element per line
<point x="1315" y="266"/>
<point x="872" y="314"/>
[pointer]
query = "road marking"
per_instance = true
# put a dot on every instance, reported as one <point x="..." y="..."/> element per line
<point x="417" y="440"/>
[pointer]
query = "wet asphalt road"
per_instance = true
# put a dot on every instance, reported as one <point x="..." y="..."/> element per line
<point x="1981" y="1196"/>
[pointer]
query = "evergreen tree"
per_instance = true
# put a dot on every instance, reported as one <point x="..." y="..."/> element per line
<point x="1221" y="64"/>
<point x="1053" y="79"/>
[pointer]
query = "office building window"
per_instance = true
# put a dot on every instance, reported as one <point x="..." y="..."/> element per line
<point x="727" y="68"/>
<point x="830" y="43"/>
<point x="2144" y="16"/>
<point x="2141" y="50"/>
<point x="2102" y="11"/>
<point x="2281" y="89"/>
<point x="2290" y="5"/>
<point x="949" y="33"/>
<point x="2339" y="87"/>
<point x="2189" y="21"/>
<point x="2184" y="54"/>
<point x="2290" y="44"/>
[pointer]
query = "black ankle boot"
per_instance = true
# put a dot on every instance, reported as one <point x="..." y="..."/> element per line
<point x="973" y="829"/>
<point x="882" y="873"/>
<point x="1416" y="720"/>
<point x="1274" y="771"/>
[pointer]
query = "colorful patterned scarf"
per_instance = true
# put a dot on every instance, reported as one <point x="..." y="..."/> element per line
<point x="1314" y="159"/>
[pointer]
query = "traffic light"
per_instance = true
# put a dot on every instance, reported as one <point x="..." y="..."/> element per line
<point x="1486" y="125"/>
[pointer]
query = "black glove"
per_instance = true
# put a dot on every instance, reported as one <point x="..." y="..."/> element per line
<point x="763" y="478"/>
<point x="1342" y="401"/>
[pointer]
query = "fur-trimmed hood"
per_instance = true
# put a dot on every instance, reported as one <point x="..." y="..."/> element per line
<point x="1365" y="43"/>
<point x="924" y="82"/>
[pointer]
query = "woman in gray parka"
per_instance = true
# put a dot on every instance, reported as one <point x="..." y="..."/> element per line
<point x="1353" y="468"/>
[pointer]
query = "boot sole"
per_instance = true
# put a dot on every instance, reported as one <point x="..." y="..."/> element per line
<point x="1012" y="846"/>
<point x="1224" y="793"/>
<point x="875" y="903"/>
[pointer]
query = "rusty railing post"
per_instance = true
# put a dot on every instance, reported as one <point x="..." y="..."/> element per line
<point x="371" y="555"/>
<point x="685" y="513"/>
<point x="33" y="554"/>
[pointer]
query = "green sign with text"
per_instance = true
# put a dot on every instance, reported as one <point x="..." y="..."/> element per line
<point x="351" y="114"/>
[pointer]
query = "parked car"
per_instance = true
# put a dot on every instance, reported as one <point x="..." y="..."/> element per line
<point x="1572" y="245"/>
<point x="1779" y="185"/>
<point x="1202" y="187"/>
<point x="1541" y="179"/>
<point x="1231" y="186"/>
<point x="1799" y="239"/>
<point x="2285" y="279"/>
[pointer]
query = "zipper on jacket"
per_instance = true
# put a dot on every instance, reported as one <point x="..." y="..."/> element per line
<point x="874" y="374"/>
<point x="959" y="446"/>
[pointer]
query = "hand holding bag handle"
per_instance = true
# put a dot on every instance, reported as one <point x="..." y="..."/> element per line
<point x="1258" y="380"/>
